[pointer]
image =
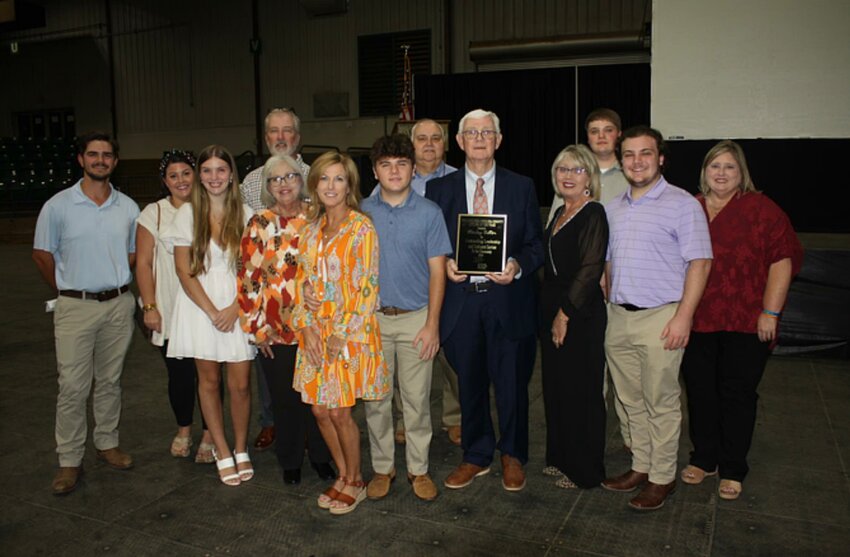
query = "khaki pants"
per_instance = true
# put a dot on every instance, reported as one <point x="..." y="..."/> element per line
<point x="91" y="341"/>
<point x="646" y="380"/>
<point x="414" y="386"/>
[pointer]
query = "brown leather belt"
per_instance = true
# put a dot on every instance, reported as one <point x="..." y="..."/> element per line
<point x="393" y="311"/>
<point x="99" y="296"/>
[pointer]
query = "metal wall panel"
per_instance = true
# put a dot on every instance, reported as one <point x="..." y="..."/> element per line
<point x="491" y="20"/>
<point x="184" y="69"/>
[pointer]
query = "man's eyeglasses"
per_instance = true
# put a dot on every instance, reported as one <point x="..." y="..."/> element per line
<point x="578" y="171"/>
<point x="484" y="134"/>
<point x="290" y="178"/>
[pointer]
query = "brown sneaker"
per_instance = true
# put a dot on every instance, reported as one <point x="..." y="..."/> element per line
<point x="463" y="475"/>
<point x="116" y="458"/>
<point x="423" y="486"/>
<point x="66" y="479"/>
<point x="513" y="476"/>
<point x="454" y="434"/>
<point x="379" y="486"/>
<point x="265" y="438"/>
<point x="625" y="482"/>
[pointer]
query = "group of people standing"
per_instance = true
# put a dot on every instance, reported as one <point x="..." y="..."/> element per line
<point x="339" y="299"/>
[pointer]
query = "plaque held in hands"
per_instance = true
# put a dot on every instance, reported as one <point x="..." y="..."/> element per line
<point x="481" y="241"/>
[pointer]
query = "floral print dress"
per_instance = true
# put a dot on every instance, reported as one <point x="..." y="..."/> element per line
<point x="344" y="275"/>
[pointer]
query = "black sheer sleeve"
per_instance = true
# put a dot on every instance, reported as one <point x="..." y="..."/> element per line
<point x="592" y="245"/>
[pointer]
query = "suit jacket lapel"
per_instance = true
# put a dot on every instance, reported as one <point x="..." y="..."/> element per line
<point x="501" y="205"/>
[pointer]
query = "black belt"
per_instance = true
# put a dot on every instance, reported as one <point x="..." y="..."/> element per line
<point x="631" y="307"/>
<point x="99" y="296"/>
<point x="393" y="311"/>
<point x="478" y="286"/>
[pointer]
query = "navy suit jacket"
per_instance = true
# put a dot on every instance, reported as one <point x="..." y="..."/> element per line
<point x="516" y="303"/>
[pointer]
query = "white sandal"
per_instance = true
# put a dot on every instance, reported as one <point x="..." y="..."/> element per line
<point x="230" y="479"/>
<point x="246" y="473"/>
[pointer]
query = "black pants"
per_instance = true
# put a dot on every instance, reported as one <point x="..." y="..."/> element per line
<point x="722" y="371"/>
<point x="183" y="388"/>
<point x="294" y="421"/>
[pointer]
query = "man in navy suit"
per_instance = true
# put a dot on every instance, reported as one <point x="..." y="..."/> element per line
<point x="488" y="323"/>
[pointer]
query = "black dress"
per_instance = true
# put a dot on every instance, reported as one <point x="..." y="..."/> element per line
<point x="573" y="373"/>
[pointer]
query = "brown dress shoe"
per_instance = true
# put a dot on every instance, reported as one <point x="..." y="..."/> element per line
<point x="265" y="439"/>
<point x="423" y="486"/>
<point x="66" y="479"/>
<point x="379" y="485"/>
<point x="625" y="482"/>
<point x="454" y="434"/>
<point x="652" y="496"/>
<point x="116" y="458"/>
<point x="463" y="475"/>
<point x="513" y="476"/>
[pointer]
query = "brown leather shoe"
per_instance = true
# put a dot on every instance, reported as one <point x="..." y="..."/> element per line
<point x="625" y="482"/>
<point x="454" y="434"/>
<point x="116" y="458"/>
<point x="265" y="439"/>
<point x="423" y="486"/>
<point x="652" y="496"/>
<point x="463" y="475"/>
<point x="379" y="485"/>
<point x="66" y="479"/>
<point x="513" y="476"/>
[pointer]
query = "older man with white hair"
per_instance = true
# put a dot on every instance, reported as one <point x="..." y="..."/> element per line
<point x="488" y="323"/>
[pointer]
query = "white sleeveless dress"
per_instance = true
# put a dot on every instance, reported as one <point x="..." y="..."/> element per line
<point x="192" y="334"/>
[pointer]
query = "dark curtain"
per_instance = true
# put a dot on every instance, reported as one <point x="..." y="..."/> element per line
<point x="623" y="88"/>
<point x="537" y="109"/>
<point x="798" y="174"/>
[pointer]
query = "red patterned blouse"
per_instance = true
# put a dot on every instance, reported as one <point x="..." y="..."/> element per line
<point x="747" y="236"/>
<point x="266" y="278"/>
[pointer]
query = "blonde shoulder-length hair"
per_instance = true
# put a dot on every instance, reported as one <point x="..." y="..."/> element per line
<point x="318" y="168"/>
<point x="727" y="146"/>
<point x="234" y="215"/>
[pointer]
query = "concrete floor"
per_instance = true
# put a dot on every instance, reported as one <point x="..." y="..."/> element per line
<point x="796" y="499"/>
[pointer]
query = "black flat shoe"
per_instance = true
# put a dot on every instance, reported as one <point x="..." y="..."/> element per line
<point x="324" y="470"/>
<point x="292" y="477"/>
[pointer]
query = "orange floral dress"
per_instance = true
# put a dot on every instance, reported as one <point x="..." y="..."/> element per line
<point x="344" y="277"/>
<point x="266" y="278"/>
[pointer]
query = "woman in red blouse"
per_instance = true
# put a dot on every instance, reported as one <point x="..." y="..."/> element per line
<point x="756" y="252"/>
<point x="266" y="295"/>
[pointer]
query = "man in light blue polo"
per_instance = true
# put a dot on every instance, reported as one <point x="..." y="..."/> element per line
<point x="85" y="248"/>
<point x="429" y="148"/>
<point x="413" y="242"/>
<point x="659" y="257"/>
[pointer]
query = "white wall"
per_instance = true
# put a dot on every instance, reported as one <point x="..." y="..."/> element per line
<point x="751" y="68"/>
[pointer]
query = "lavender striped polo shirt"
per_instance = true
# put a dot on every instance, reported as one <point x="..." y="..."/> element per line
<point x="651" y="241"/>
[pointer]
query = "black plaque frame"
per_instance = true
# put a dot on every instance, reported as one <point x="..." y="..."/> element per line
<point x="480" y="246"/>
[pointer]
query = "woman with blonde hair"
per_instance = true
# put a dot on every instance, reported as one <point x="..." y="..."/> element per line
<point x="205" y="236"/>
<point x="572" y="325"/>
<point x="339" y="348"/>
<point x="756" y="253"/>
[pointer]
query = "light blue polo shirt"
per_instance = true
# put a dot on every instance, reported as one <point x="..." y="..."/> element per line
<point x="408" y="235"/>
<point x="89" y="244"/>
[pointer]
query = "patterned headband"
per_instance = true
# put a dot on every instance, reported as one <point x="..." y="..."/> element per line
<point x="175" y="155"/>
